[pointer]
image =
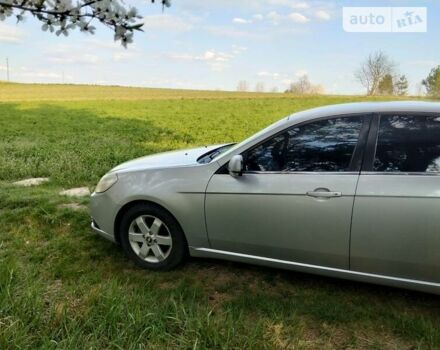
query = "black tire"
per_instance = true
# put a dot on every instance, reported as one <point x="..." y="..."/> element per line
<point x="179" y="249"/>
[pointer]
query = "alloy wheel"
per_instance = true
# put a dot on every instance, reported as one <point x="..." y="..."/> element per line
<point x="150" y="238"/>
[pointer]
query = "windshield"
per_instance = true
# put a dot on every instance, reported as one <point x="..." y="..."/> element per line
<point x="209" y="156"/>
<point x="233" y="146"/>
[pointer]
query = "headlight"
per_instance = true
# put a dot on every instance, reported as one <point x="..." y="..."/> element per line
<point x="107" y="181"/>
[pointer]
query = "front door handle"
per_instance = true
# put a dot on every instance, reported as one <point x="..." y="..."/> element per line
<point x="323" y="193"/>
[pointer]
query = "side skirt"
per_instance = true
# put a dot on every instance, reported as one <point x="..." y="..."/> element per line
<point x="429" y="287"/>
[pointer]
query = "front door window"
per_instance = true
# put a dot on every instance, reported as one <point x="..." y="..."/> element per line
<point x="322" y="146"/>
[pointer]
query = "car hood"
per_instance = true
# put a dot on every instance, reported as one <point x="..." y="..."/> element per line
<point x="171" y="159"/>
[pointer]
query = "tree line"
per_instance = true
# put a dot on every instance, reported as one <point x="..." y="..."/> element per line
<point x="302" y="86"/>
<point x="378" y="74"/>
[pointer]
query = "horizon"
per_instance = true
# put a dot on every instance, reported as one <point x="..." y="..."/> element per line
<point x="404" y="98"/>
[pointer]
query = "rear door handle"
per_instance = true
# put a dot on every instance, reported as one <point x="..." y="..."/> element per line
<point x="323" y="193"/>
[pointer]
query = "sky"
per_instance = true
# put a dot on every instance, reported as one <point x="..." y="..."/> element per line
<point x="213" y="44"/>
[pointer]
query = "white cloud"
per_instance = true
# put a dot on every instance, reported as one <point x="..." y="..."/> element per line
<point x="265" y="74"/>
<point x="41" y="74"/>
<point x="69" y="54"/>
<point x="300" y="5"/>
<point x="274" y="16"/>
<point x="229" y="31"/>
<point x="322" y="15"/>
<point x="216" y="60"/>
<point x="91" y="43"/>
<point x="167" y="23"/>
<point x="259" y="6"/>
<point x="30" y="75"/>
<point x="123" y="56"/>
<point x="236" y="49"/>
<point x="301" y="72"/>
<point x="289" y="3"/>
<point x="258" y="17"/>
<point x="284" y="77"/>
<point x="10" y="34"/>
<point x="239" y="20"/>
<point x="209" y="56"/>
<point x="298" y="17"/>
<point x="110" y="49"/>
<point x="216" y="56"/>
<point x="71" y="58"/>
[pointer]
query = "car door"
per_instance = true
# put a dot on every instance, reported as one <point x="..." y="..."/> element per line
<point x="294" y="199"/>
<point x="396" y="215"/>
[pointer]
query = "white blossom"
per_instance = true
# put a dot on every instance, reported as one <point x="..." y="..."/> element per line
<point x="63" y="16"/>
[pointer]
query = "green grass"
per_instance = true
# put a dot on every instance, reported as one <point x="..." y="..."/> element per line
<point x="63" y="287"/>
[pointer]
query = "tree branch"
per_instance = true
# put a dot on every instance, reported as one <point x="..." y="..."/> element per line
<point x="64" y="16"/>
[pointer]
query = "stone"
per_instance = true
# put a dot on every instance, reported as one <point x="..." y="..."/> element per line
<point x="35" y="181"/>
<point x="76" y="192"/>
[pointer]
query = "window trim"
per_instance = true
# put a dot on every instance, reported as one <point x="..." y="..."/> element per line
<point x="402" y="173"/>
<point x="256" y="172"/>
<point x="356" y="161"/>
<point x="371" y="147"/>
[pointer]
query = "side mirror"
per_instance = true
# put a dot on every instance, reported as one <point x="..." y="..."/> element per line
<point x="235" y="165"/>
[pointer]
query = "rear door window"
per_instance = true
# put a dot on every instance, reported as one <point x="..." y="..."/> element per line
<point x="408" y="143"/>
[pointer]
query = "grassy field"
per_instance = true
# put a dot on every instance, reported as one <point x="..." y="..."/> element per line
<point x="63" y="287"/>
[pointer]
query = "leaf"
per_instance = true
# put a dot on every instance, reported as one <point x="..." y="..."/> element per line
<point x="137" y="27"/>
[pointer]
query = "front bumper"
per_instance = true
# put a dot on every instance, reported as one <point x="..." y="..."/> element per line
<point x="103" y="210"/>
<point x="102" y="233"/>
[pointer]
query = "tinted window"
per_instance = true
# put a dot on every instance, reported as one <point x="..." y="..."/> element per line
<point x="408" y="144"/>
<point x="325" y="145"/>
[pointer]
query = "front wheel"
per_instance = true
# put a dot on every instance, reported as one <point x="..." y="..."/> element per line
<point x="152" y="238"/>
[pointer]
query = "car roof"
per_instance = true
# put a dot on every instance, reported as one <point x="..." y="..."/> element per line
<point x="367" y="107"/>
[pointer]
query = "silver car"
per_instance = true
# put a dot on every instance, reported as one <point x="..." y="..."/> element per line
<point x="349" y="191"/>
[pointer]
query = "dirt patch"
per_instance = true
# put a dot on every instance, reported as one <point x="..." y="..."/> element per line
<point x="278" y="335"/>
<point x="166" y="285"/>
<point x="221" y="281"/>
<point x="73" y="206"/>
